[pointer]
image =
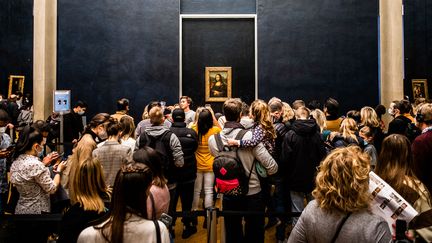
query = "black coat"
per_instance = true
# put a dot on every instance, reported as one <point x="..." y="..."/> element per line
<point x="189" y="143"/>
<point x="303" y="150"/>
<point x="72" y="127"/>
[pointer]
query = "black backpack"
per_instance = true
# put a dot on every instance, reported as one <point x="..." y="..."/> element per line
<point x="229" y="172"/>
<point x="161" y="144"/>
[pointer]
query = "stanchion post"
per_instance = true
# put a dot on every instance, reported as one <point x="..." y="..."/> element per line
<point x="211" y="225"/>
<point x="61" y="132"/>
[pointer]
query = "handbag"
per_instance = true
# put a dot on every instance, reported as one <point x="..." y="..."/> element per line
<point x="340" y="227"/>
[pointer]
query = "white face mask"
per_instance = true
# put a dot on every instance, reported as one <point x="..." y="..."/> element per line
<point x="390" y="111"/>
<point x="2" y="129"/>
<point x="44" y="140"/>
<point x="80" y="113"/>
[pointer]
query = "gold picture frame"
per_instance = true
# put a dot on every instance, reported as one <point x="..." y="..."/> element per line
<point x="16" y="83"/>
<point x="218" y="84"/>
<point x="419" y="88"/>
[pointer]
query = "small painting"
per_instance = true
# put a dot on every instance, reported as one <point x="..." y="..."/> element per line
<point x="420" y="89"/>
<point x="218" y="83"/>
<point x="16" y="83"/>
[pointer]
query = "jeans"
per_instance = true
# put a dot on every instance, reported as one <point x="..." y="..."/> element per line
<point x="204" y="179"/>
<point x="184" y="190"/>
<point x="282" y="202"/>
<point x="254" y="225"/>
<point x="297" y="199"/>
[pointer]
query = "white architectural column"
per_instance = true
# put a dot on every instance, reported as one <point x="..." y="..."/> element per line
<point x="391" y="52"/>
<point x="44" y="56"/>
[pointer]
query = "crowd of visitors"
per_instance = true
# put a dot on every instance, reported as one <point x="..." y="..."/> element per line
<point x="117" y="182"/>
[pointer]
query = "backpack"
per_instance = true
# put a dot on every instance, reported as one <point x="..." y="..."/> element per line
<point x="231" y="179"/>
<point x="25" y="118"/>
<point x="162" y="146"/>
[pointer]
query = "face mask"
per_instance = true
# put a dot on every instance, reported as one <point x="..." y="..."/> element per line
<point x="390" y="111"/>
<point x="80" y="113"/>
<point x="44" y="140"/>
<point x="40" y="154"/>
<point x="2" y="130"/>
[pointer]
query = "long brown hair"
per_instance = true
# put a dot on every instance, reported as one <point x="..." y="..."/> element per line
<point x="261" y="115"/>
<point x="149" y="157"/>
<point x="395" y="163"/>
<point x="89" y="186"/>
<point x="131" y="188"/>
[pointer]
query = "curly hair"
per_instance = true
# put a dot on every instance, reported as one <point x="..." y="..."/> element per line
<point x="261" y="115"/>
<point x="343" y="180"/>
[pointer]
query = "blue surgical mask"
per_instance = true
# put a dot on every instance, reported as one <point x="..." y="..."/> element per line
<point x="41" y="153"/>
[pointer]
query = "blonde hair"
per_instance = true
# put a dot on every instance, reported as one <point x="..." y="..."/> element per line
<point x="145" y="115"/>
<point x="197" y="112"/>
<point x="156" y="115"/>
<point x="261" y="114"/>
<point x="302" y="112"/>
<point x="287" y="112"/>
<point x="369" y="117"/>
<point x="320" y="118"/>
<point x="342" y="182"/>
<point x="348" y="128"/>
<point x="89" y="185"/>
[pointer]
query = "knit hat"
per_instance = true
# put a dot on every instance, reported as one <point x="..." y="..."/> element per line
<point x="178" y="115"/>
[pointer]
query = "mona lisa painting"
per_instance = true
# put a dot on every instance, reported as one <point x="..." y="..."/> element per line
<point x="218" y="83"/>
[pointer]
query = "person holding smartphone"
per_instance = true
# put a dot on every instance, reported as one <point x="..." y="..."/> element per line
<point x="30" y="176"/>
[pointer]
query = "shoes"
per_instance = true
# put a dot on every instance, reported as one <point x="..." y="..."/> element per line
<point x="188" y="231"/>
<point x="272" y="222"/>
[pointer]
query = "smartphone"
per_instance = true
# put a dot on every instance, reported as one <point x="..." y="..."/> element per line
<point x="166" y="219"/>
<point x="207" y="105"/>
<point x="401" y="228"/>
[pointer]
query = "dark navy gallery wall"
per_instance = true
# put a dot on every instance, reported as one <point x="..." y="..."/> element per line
<point x="16" y="42"/>
<point x="312" y="49"/>
<point x="113" y="49"/>
<point x="418" y="43"/>
<point x="306" y="49"/>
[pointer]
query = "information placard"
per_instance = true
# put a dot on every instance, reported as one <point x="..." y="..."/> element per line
<point x="61" y="101"/>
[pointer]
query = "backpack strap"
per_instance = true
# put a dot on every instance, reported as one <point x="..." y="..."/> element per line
<point x="240" y="134"/>
<point x="219" y="142"/>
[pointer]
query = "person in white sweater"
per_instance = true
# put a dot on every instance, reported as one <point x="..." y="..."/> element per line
<point x="128" y="219"/>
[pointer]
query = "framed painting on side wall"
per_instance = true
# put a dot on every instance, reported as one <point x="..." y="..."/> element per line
<point x="420" y="89"/>
<point x="16" y="83"/>
<point x="218" y="84"/>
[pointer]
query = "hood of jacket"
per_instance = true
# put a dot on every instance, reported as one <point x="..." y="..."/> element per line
<point x="305" y="127"/>
<point x="156" y="130"/>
